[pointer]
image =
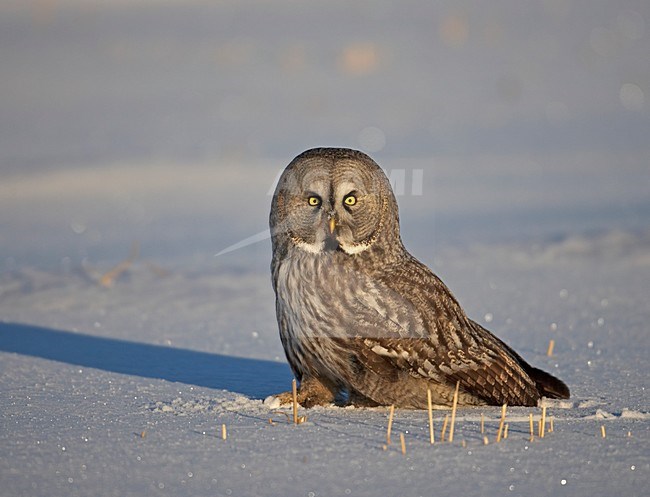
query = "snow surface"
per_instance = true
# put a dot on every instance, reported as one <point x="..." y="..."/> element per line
<point x="164" y="124"/>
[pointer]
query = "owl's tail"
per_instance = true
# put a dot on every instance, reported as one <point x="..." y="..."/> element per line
<point x="548" y="385"/>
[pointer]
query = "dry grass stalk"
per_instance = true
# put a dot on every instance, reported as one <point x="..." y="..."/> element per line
<point x="505" y="431"/>
<point x="551" y="428"/>
<point x="602" y="431"/>
<point x="501" y="422"/>
<point x="224" y="433"/>
<point x="551" y="345"/>
<point x="532" y="426"/>
<point x="432" y="437"/>
<point x="453" y="412"/>
<point x="294" y="394"/>
<point x="402" y="443"/>
<point x="485" y="440"/>
<point x="542" y="422"/>
<point x="482" y="424"/>
<point x="444" y="428"/>
<point x="108" y="279"/>
<point x="391" y="413"/>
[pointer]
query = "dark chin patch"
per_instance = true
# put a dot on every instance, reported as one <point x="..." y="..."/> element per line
<point x="331" y="243"/>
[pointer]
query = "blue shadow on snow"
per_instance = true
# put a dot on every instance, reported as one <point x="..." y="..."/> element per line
<point x="254" y="378"/>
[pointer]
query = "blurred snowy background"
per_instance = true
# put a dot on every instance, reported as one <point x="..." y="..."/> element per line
<point x="518" y="134"/>
<point x="167" y="121"/>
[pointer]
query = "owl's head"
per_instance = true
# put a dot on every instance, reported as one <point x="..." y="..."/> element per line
<point x="334" y="199"/>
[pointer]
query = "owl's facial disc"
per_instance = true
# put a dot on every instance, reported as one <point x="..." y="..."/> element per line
<point x="329" y="225"/>
<point x="339" y="215"/>
<point x="327" y="207"/>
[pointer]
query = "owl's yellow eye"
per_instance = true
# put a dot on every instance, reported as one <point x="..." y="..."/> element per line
<point x="350" y="200"/>
<point x="314" y="201"/>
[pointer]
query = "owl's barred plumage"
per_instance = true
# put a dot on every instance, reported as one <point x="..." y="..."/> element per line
<point x="358" y="314"/>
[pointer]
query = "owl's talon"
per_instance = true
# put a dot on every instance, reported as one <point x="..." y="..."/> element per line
<point x="312" y="392"/>
<point x="272" y="402"/>
<point x="283" y="399"/>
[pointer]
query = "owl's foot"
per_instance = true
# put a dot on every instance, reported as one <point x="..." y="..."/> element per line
<point x="312" y="392"/>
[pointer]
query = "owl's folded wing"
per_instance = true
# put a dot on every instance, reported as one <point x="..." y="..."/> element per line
<point x="414" y="324"/>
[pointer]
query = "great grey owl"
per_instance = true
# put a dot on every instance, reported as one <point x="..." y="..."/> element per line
<point x="359" y="316"/>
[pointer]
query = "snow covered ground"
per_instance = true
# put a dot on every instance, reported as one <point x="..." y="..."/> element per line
<point x="86" y="370"/>
<point x="162" y="126"/>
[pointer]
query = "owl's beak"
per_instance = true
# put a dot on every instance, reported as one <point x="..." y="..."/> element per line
<point x="332" y="225"/>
